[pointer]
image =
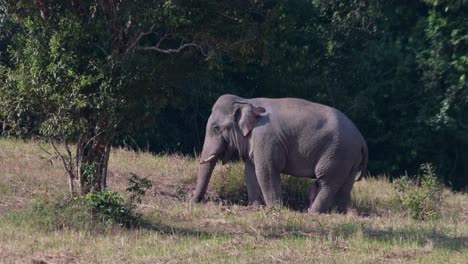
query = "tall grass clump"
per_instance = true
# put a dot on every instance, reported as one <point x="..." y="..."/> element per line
<point x="229" y="186"/>
<point x="373" y="196"/>
<point x="55" y="211"/>
<point x="296" y="191"/>
<point x="422" y="198"/>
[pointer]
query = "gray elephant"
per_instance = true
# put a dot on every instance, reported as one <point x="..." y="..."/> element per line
<point x="286" y="135"/>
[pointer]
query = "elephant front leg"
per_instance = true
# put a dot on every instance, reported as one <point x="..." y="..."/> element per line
<point x="270" y="183"/>
<point x="269" y="160"/>
<point x="254" y="193"/>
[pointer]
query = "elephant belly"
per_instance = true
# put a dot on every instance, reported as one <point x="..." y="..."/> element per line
<point x="300" y="170"/>
<point x="301" y="161"/>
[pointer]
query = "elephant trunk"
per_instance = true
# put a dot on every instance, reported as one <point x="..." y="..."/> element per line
<point x="205" y="170"/>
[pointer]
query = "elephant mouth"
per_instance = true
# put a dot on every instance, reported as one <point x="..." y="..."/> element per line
<point x="214" y="157"/>
<point x="221" y="152"/>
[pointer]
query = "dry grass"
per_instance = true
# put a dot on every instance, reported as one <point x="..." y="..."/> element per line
<point x="375" y="231"/>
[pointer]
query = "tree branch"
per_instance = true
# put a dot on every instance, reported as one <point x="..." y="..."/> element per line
<point x="135" y="43"/>
<point x="43" y="8"/>
<point x="230" y="17"/>
<point x="174" y="50"/>
<point x="136" y="40"/>
<point x="67" y="164"/>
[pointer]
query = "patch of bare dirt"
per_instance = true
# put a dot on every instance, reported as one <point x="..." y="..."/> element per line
<point x="400" y="256"/>
<point x="59" y="258"/>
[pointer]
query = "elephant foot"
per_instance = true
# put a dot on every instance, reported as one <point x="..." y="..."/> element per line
<point x="313" y="194"/>
<point x="256" y="203"/>
<point x="255" y="206"/>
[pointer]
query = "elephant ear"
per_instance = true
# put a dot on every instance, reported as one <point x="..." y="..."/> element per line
<point x="246" y="115"/>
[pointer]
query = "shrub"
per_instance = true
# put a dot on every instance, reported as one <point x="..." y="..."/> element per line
<point x="422" y="198"/>
<point x="138" y="187"/>
<point x="108" y="207"/>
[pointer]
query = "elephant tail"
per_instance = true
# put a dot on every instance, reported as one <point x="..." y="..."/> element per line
<point x="365" y="157"/>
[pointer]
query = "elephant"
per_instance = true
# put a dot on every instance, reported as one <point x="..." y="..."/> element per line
<point x="284" y="135"/>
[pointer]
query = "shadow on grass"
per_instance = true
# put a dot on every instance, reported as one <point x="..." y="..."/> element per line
<point x="52" y="214"/>
<point x="296" y="197"/>
<point x="297" y="204"/>
<point x="274" y="230"/>
<point x="438" y="239"/>
<point x="422" y="237"/>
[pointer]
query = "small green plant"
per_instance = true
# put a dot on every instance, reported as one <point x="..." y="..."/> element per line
<point x="89" y="175"/>
<point x="422" y="198"/>
<point x="138" y="187"/>
<point x="111" y="208"/>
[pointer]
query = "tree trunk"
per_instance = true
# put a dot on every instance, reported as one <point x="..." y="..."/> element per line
<point x="92" y="163"/>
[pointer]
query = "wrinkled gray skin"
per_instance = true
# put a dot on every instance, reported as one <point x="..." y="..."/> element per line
<point x="290" y="136"/>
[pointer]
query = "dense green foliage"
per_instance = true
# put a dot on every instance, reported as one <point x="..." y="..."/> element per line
<point x="84" y="72"/>
<point x="397" y="68"/>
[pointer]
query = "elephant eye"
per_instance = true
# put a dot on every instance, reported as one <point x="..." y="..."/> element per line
<point x="216" y="129"/>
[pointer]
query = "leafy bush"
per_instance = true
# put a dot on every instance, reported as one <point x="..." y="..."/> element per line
<point x="422" y="198"/>
<point x="108" y="207"/>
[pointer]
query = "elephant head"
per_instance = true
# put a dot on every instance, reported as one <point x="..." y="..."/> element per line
<point x="228" y="128"/>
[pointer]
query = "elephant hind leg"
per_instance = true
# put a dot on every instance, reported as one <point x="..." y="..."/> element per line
<point x="343" y="196"/>
<point x="324" y="199"/>
<point x="330" y="178"/>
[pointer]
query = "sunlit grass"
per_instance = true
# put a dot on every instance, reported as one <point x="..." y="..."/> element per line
<point x="218" y="231"/>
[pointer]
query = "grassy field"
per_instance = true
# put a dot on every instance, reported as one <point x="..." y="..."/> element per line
<point x="376" y="230"/>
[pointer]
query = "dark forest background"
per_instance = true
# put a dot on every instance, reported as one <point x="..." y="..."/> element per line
<point x="144" y="74"/>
